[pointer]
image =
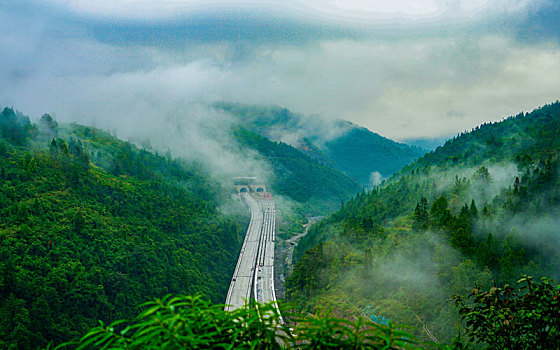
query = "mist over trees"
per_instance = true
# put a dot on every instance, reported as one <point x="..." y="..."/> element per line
<point x="482" y="209"/>
<point x="93" y="226"/>
<point x="353" y="150"/>
<point x="297" y="176"/>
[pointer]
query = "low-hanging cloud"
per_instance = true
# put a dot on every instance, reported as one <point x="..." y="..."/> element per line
<point x="347" y="10"/>
<point x="402" y="83"/>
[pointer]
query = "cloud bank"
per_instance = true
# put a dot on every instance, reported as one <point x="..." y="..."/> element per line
<point x="347" y="10"/>
<point x="405" y="69"/>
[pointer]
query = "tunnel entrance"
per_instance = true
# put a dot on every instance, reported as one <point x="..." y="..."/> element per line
<point x="249" y="185"/>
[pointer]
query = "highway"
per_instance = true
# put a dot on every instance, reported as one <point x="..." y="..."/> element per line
<point x="264" y="278"/>
<point x="254" y="273"/>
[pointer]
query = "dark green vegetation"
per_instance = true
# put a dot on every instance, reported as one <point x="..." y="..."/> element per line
<point x="505" y="318"/>
<point x="502" y="318"/>
<point x="92" y="226"/>
<point x="297" y="176"/>
<point x="185" y="322"/>
<point x="359" y="152"/>
<point x="352" y="150"/>
<point x="481" y="209"/>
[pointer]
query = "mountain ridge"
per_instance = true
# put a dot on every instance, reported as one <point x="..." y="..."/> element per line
<point x="481" y="209"/>
<point x="349" y="148"/>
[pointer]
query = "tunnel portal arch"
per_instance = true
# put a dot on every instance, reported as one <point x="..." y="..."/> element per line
<point x="243" y="189"/>
<point x="259" y="189"/>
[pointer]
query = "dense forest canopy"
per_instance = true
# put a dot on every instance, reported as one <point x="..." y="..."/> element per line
<point x="482" y="209"/>
<point x="297" y="176"/>
<point x="92" y="226"/>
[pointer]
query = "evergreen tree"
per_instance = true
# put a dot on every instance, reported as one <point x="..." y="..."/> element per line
<point x="53" y="148"/>
<point x="421" y="215"/>
<point x="473" y="211"/>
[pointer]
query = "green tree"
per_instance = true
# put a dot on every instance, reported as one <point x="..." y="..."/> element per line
<point x="488" y="253"/>
<point x="473" y="211"/>
<point x="504" y="318"/>
<point x="421" y="215"/>
<point x="440" y="211"/>
<point x="53" y="148"/>
<point x="483" y="174"/>
<point x="14" y="126"/>
<point x="48" y="126"/>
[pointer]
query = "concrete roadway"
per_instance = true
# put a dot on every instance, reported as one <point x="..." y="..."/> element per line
<point x="265" y="269"/>
<point x="242" y="281"/>
<point x="254" y="273"/>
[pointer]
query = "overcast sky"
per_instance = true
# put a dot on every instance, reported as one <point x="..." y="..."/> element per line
<point x="403" y="68"/>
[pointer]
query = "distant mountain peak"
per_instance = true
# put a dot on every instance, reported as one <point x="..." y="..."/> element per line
<point x="353" y="149"/>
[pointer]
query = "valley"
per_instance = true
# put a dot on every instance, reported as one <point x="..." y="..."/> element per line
<point x="465" y="214"/>
<point x="268" y="175"/>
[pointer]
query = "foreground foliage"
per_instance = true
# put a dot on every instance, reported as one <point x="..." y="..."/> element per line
<point x="498" y="318"/>
<point x="190" y="322"/>
<point x="504" y="318"/>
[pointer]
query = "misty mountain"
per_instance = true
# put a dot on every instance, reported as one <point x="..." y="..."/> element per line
<point x="298" y="176"/>
<point x="428" y="144"/>
<point x="351" y="149"/>
<point x="91" y="226"/>
<point x="533" y="135"/>
<point x="111" y="224"/>
<point x="362" y="153"/>
<point x="481" y="209"/>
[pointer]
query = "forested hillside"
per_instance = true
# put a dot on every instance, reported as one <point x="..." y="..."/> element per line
<point x="352" y="150"/>
<point x="91" y="227"/>
<point x="361" y="152"/>
<point x="298" y="176"/>
<point x="482" y="209"/>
